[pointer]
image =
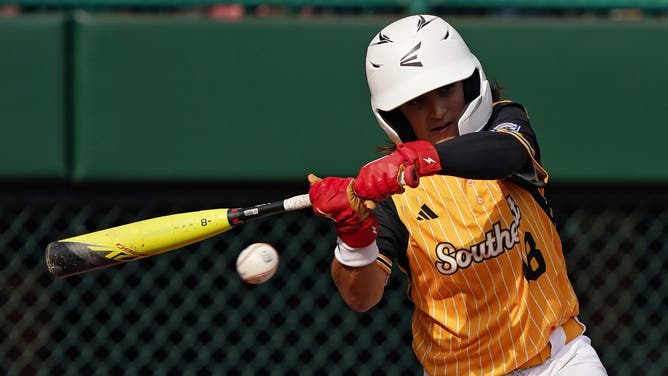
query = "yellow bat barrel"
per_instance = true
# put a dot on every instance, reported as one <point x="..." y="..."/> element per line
<point x="135" y="240"/>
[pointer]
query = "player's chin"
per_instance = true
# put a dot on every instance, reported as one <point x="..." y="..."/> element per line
<point x="441" y="134"/>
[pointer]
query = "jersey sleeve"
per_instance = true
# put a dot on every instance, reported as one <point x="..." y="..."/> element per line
<point x="506" y="148"/>
<point x="511" y="118"/>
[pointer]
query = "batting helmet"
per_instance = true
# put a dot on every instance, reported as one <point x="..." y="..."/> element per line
<point x="415" y="55"/>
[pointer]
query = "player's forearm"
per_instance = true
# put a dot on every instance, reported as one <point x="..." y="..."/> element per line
<point x="482" y="155"/>
<point x="360" y="287"/>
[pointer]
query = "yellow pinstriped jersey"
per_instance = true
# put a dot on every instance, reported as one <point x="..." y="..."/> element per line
<point x="485" y="266"/>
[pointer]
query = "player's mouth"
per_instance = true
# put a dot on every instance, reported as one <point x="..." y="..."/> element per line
<point x="441" y="128"/>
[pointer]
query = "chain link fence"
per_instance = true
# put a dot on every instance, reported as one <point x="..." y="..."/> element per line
<point x="187" y="311"/>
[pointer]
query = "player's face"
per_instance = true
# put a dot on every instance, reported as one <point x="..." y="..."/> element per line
<point x="434" y="115"/>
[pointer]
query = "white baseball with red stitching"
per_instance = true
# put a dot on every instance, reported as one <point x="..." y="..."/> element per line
<point x="257" y="263"/>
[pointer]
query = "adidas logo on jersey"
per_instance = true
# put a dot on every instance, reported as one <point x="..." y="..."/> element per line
<point x="426" y="213"/>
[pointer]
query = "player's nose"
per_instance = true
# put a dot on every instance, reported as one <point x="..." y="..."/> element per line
<point x="437" y="107"/>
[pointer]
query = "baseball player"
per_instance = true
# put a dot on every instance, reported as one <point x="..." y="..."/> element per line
<point x="461" y="211"/>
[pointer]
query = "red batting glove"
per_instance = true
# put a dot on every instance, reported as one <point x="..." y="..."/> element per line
<point x="334" y="198"/>
<point x="379" y="179"/>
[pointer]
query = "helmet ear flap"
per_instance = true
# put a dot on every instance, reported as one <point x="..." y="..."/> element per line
<point x="398" y="122"/>
<point x="472" y="86"/>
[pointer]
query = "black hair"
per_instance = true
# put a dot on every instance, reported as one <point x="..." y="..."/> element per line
<point x="497" y="91"/>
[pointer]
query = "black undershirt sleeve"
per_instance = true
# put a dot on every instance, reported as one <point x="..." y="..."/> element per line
<point x="482" y="155"/>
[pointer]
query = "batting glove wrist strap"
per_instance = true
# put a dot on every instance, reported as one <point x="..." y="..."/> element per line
<point x="422" y="156"/>
<point x="355" y="257"/>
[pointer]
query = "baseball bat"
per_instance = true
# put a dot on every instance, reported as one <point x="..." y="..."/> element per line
<point x="149" y="237"/>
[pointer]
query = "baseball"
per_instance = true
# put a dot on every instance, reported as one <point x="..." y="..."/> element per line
<point x="257" y="263"/>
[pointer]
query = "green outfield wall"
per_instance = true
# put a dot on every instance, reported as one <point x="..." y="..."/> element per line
<point x="99" y="97"/>
<point x="231" y="114"/>
<point x="415" y="5"/>
<point x="33" y="89"/>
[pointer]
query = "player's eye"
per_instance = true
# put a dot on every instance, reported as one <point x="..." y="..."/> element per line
<point x="415" y="101"/>
<point x="444" y="90"/>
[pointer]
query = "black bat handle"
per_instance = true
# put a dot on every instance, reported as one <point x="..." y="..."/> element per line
<point x="239" y="215"/>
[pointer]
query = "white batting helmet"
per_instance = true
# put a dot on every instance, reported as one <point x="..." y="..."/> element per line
<point x="415" y="55"/>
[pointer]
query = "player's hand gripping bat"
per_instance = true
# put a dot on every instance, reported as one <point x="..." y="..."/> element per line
<point x="150" y="237"/>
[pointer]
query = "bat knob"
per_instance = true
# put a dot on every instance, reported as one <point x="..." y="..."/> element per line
<point x="62" y="261"/>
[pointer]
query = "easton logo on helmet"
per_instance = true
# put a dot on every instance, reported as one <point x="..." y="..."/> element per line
<point x="382" y="39"/>
<point x="407" y="61"/>
<point x="422" y="22"/>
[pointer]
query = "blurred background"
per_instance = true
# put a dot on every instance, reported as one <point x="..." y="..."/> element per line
<point x="112" y="111"/>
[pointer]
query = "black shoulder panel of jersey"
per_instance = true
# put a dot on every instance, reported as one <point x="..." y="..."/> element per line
<point x="392" y="234"/>
<point x="515" y="113"/>
<point x="507" y="112"/>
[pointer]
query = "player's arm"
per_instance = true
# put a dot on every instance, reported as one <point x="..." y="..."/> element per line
<point x="506" y="147"/>
<point x="363" y="287"/>
<point x="360" y="287"/>
<point x="495" y="153"/>
<point x="359" y="280"/>
<point x="483" y="155"/>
